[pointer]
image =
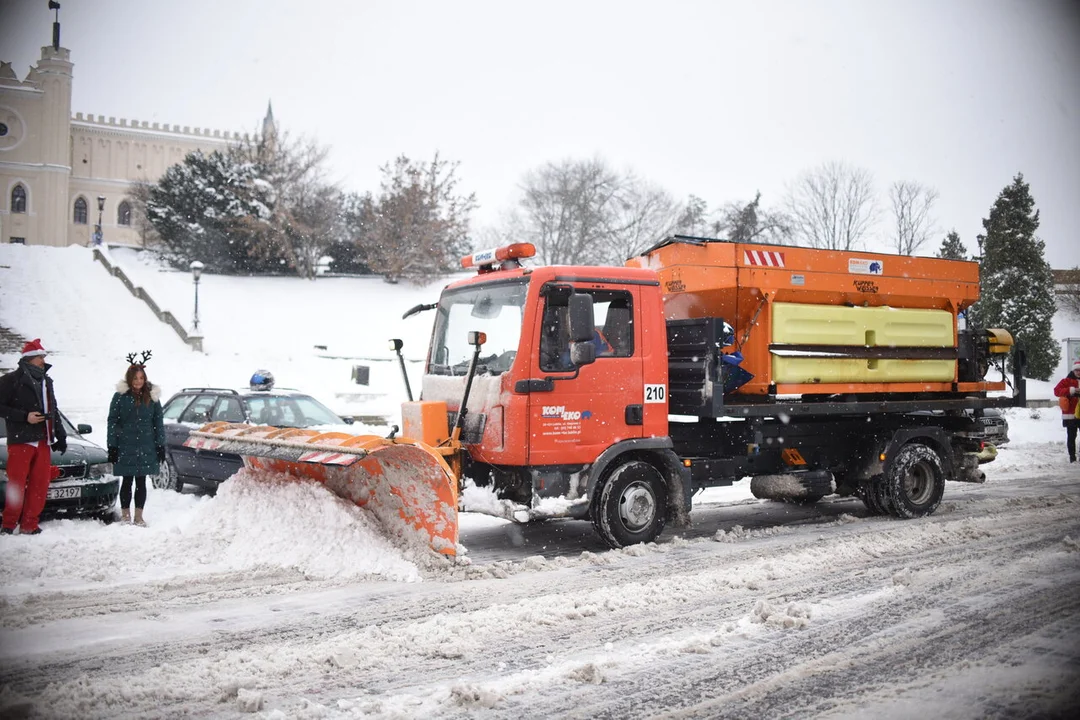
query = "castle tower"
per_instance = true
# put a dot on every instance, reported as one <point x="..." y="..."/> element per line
<point x="54" y="75"/>
<point x="269" y="129"/>
<point x="35" y="157"/>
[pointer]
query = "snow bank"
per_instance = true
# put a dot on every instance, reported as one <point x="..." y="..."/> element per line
<point x="257" y="522"/>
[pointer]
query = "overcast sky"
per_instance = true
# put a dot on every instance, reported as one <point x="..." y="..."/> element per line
<point x="717" y="99"/>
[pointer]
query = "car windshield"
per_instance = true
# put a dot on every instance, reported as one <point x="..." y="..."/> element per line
<point x="289" y="411"/>
<point x="68" y="427"/>
<point x="495" y="310"/>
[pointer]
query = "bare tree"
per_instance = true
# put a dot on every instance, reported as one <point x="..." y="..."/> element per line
<point x="640" y="215"/>
<point x="912" y="206"/>
<point x="138" y="195"/>
<point x="1067" y="291"/>
<point x="564" y="209"/>
<point x="305" y="217"/>
<point x="419" y="225"/>
<point x="580" y="212"/>
<point x="832" y="206"/>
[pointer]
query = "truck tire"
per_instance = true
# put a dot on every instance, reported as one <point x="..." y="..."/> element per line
<point x="871" y="492"/>
<point x="914" y="481"/>
<point x="631" y="506"/>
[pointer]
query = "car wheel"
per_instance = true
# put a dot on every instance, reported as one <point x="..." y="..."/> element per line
<point x="631" y="506"/>
<point x="159" y="480"/>
<point x="168" y="478"/>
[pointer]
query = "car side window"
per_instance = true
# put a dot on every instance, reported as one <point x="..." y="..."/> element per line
<point x="198" y="412"/>
<point x="228" y="410"/>
<point x="175" y="407"/>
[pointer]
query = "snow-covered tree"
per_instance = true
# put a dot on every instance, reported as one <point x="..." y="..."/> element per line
<point x="1017" y="285"/>
<point x="198" y="208"/>
<point x="952" y="248"/>
<point x="348" y="252"/>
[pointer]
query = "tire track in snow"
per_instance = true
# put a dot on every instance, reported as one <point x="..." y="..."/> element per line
<point x="543" y="619"/>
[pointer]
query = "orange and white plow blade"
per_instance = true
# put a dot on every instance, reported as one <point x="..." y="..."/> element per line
<point x="403" y="482"/>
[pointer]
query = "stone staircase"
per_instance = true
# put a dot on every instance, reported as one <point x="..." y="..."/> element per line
<point x="10" y="344"/>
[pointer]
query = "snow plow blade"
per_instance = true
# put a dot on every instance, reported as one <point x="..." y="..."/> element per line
<point x="406" y="484"/>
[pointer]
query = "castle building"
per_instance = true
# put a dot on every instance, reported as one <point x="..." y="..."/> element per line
<point x="57" y="170"/>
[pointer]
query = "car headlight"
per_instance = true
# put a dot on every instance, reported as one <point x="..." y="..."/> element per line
<point x="99" y="470"/>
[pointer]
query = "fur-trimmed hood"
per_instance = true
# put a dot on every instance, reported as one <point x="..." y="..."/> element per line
<point x="155" y="391"/>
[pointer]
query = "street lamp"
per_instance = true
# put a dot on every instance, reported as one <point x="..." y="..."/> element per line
<point x="196" y="271"/>
<point x="97" y="228"/>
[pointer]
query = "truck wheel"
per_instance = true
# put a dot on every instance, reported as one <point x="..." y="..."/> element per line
<point x="914" y="481"/>
<point x="870" y="491"/>
<point x="631" y="506"/>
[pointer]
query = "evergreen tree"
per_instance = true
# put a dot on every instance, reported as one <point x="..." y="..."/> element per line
<point x="952" y="248"/>
<point x="348" y="253"/>
<point x="1017" y="285"/>
<point x="198" y="207"/>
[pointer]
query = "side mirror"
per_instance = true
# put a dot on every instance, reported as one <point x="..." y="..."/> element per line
<point x="83" y="429"/>
<point x="348" y="420"/>
<point x="582" y="353"/>
<point x="580" y="312"/>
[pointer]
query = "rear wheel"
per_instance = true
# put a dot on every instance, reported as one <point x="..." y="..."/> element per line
<point x="631" y="505"/>
<point x="870" y="491"/>
<point x="168" y="478"/>
<point x="914" y="481"/>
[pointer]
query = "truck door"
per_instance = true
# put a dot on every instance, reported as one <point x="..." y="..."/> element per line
<point x="581" y="416"/>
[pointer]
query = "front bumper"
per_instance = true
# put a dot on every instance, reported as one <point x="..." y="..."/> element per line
<point x="76" y="496"/>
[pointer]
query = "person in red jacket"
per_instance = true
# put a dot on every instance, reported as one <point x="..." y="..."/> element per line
<point x="1068" y="392"/>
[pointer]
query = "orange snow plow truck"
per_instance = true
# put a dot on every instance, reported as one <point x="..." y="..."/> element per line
<point x="614" y="394"/>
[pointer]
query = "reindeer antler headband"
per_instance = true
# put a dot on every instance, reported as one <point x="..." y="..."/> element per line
<point x="145" y="359"/>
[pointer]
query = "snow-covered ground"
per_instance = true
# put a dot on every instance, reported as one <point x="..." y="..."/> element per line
<point x="277" y="599"/>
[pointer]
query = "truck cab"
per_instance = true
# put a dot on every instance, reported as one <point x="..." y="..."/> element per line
<point x="572" y="375"/>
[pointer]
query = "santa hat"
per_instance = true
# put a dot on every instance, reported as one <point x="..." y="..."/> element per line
<point x="1076" y="365"/>
<point x="33" y="349"/>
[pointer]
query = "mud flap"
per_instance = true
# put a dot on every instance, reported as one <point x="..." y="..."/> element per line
<point x="403" y="482"/>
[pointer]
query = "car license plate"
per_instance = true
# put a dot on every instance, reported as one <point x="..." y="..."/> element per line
<point x="63" y="493"/>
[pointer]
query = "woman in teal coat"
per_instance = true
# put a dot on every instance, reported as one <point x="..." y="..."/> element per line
<point x="136" y="436"/>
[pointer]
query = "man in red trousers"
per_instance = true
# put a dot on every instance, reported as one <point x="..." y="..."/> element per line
<point x="28" y="406"/>
<point x="1067" y="391"/>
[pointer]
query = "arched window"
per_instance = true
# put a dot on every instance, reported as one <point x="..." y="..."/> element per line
<point x="80" y="211"/>
<point x="18" y="199"/>
<point x="123" y="213"/>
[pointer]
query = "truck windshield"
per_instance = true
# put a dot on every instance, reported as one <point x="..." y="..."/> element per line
<point x="495" y="310"/>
